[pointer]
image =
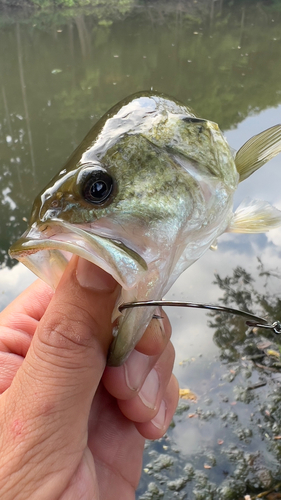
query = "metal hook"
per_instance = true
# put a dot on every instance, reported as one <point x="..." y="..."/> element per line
<point x="250" y="319"/>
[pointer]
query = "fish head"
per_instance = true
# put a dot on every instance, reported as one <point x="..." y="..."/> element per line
<point x="142" y="197"/>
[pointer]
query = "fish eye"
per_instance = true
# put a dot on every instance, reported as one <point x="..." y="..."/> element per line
<point x="97" y="187"/>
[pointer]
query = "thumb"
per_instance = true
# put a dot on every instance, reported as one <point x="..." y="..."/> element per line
<point x="52" y="392"/>
<point x="68" y="353"/>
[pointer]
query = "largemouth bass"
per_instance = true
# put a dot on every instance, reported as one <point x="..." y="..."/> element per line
<point x="146" y="193"/>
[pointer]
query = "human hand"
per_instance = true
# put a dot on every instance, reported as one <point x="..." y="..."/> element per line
<point x="71" y="428"/>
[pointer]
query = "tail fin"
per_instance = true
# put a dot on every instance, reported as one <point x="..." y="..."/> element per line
<point x="257" y="151"/>
<point x="255" y="216"/>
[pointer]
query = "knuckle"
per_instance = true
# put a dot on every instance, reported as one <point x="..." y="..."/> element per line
<point x="67" y="328"/>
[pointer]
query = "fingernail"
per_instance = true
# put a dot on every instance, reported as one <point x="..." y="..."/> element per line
<point x="91" y="276"/>
<point x="159" y="419"/>
<point x="149" y="391"/>
<point x="136" y="368"/>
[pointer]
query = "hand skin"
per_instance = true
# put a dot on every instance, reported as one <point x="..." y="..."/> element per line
<point x="70" y="427"/>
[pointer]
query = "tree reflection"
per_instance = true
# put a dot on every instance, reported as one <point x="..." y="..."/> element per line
<point x="235" y="425"/>
<point x="24" y="98"/>
<point x="242" y="291"/>
<point x="61" y="70"/>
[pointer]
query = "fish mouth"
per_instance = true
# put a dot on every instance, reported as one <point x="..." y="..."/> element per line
<point x="46" y="248"/>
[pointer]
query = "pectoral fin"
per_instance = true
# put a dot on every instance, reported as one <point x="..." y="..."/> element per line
<point x="255" y="216"/>
<point x="257" y="151"/>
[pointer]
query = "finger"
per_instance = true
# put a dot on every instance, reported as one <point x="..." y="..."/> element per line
<point x="124" y="381"/>
<point x="53" y="389"/>
<point x="9" y="365"/>
<point x="156" y="336"/>
<point x="156" y="428"/>
<point x="30" y="304"/>
<point x="18" y="323"/>
<point x="113" y="438"/>
<point x="145" y="405"/>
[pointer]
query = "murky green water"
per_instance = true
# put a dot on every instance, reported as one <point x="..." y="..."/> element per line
<point x="59" y="72"/>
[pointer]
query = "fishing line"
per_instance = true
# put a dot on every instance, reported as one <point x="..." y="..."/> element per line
<point x="250" y="319"/>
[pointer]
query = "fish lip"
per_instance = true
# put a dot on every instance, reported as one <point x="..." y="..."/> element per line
<point x="105" y="252"/>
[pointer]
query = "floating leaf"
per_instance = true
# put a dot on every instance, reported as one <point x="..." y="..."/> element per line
<point x="263" y="345"/>
<point x="187" y="394"/>
<point x="271" y="352"/>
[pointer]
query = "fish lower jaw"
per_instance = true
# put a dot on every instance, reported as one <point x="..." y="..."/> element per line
<point x="48" y="257"/>
<point x="22" y="254"/>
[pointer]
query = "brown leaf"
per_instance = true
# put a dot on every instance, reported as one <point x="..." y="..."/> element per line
<point x="263" y="345"/>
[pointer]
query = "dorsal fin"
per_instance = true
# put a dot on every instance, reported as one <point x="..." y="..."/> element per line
<point x="255" y="216"/>
<point x="257" y="151"/>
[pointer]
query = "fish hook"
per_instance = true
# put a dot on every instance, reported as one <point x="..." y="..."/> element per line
<point x="250" y="319"/>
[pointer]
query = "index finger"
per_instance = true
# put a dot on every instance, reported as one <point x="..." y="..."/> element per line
<point x="124" y="382"/>
<point x="32" y="303"/>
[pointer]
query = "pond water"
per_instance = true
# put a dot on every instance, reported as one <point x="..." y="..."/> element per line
<point x="59" y="72"/>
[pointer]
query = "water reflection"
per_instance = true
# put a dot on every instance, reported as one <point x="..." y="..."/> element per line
<point x="59" y="73"/>
<point x="227" y="443"/>
<point x="223" y="60"/>
<point x="240" y="289"/>
<point x="23" y="87"/>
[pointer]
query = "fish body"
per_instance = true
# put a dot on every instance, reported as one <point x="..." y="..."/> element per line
<point x="146" y="193"/>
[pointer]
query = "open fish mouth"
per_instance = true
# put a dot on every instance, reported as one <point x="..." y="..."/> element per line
<point x="46" y="248"/>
